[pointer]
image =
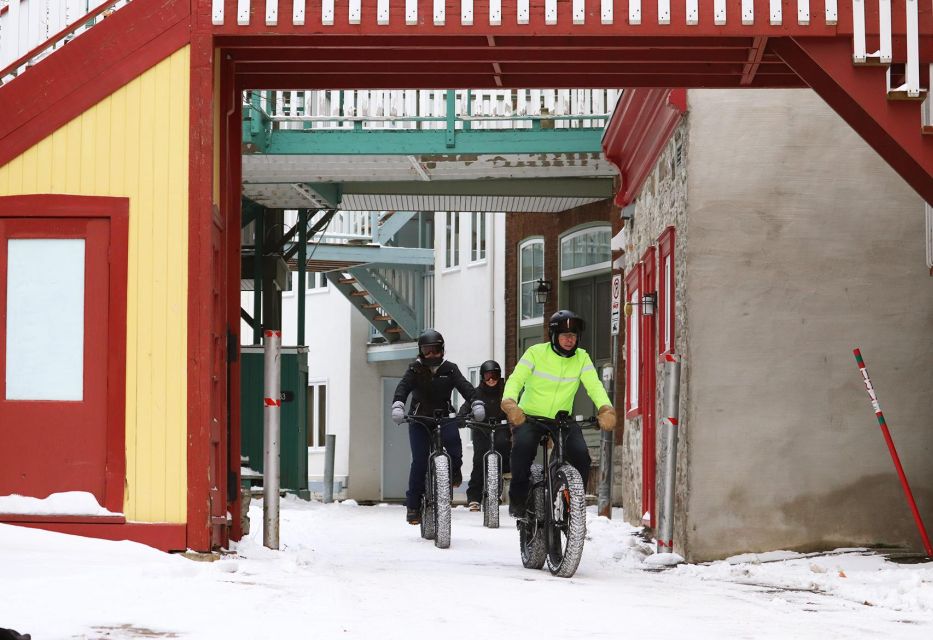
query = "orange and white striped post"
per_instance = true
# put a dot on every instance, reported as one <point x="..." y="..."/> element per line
<point x="897" y="461"/>
<point x="271" y="421"/>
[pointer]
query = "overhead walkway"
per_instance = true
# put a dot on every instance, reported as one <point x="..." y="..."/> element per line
<point x="364" y="164"/>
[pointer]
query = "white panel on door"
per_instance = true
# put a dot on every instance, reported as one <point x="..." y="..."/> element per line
<point x="45" y="319"/>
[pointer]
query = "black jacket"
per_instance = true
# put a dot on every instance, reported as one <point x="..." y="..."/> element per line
<point x="431" y="391"/>
<point x="491" y="397"/>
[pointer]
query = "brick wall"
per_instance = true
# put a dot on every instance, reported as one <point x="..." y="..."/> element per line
<point x="518" y="227"/>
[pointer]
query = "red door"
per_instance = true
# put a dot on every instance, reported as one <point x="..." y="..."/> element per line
<point x="54" y="326"/>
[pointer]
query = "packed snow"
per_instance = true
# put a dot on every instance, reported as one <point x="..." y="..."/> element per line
<point x="350" y="571"/>
<point x="66" y="503"/>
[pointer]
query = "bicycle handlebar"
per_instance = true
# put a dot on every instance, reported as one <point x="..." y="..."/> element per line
<point x="567" y="421"/>
<point x="486" y="425"/>
<point x="429" y="421"/>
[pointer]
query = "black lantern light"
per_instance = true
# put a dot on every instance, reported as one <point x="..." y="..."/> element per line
<point x="543" y="291"/>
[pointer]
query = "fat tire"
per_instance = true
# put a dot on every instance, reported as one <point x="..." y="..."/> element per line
<point x="442" y="502"/>
<point x="428" y="525"/>
<point x="563" y="557"/>
<point x="492" y="489"/>
<point x="531" y="533"/>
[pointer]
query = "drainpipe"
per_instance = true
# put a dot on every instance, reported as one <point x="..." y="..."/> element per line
<point x="271" y="420"/>
<point x="491" y="270"/>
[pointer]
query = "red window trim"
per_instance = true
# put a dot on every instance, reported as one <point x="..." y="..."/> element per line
<point x="117" y="211"/>
<point x="633" y="283"/>
<point x="666" y="315"/>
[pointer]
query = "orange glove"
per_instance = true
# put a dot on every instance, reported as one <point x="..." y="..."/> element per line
<point x="606" y="417"/>
<point x="512" y="411"/>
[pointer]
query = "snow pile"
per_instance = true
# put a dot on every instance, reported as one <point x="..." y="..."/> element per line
<point x="67" y="503"/>
<point x="355" y="572"/>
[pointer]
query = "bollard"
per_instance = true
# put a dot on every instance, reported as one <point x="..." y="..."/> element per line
<point x="271" y="420"/>
<point x="330" y="443"/>
<point x="669" y="428"/>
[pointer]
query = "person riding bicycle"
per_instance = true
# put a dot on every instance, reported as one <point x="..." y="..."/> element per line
<point x="430" y="380"/>
<point x="550" y="374"/>
<point x="490" y="392"/>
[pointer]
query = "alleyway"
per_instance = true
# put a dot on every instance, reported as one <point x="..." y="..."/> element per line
<point x="348" y="571"/>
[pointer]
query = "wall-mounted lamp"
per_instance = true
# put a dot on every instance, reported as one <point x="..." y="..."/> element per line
<point x="649" y="303"/>
<point x="543" y="291"/>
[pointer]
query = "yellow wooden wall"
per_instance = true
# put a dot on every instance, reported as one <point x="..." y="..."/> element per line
<point x="134" y="143"/>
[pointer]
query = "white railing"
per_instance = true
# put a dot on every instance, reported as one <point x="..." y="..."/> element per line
<point x="884" y="54"/>
<point x="406" y="12"/>
<point x="32" y="29"/>
<point x="404" y="109"/>
<point x="344" y="226"/>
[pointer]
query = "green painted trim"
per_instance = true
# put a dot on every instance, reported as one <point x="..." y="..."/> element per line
<point x="381" y="354"/>
<point x="368" y="254"/>
<point x="431" y="142"/>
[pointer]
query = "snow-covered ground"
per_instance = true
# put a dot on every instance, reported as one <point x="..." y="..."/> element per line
<point x="347" y="571"/>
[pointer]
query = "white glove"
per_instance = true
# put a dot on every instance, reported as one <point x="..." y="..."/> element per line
<point x="398" y="412"/>
<point x="479" y="410"/>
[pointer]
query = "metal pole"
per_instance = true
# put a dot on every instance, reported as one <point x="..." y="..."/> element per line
<point x="669" y="435"/>
<point x="259" y="229"/>
<point x="330" y="443"/>
<point x="302" y="268"/>
<point x="606" y="443"/>
<point x="271" y="420"/>
<point x="897" y="461"/>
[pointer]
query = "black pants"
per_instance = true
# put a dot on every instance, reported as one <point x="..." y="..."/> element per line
<point x="420" y="449"/>
<point x="480" y="447"/>
<point x="525" y="441"/>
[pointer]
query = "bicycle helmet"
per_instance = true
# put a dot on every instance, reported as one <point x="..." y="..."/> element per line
<point x="490" y="366"/>
<point x="564" y="321"/>
<point x="431" y="338"/>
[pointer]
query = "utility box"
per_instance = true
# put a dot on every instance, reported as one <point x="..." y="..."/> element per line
<point x="293" y="438"/>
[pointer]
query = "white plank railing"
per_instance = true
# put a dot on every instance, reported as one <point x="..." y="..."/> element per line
<point x="32" y="29"/>
<point x="427" y="109"/>
<point x="860" y="55"/>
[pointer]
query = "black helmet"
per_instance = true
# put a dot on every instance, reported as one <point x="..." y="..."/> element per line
<point x="490" y="366"/>
<point x="564" y="321"/>
<point x="430" y="337"/>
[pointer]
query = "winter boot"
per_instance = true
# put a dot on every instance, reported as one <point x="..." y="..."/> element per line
<point x="413" y="516"/>
<point x="456" y="478"/>
<point x="474" y="506"/>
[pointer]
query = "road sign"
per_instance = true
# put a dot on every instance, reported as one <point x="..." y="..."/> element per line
<point x="616" y="306"/>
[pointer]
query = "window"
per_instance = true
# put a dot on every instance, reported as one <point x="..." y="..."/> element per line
<point x="478" y="245"/>
<point x="584" y="251"/>
<point x="314" y="283"/>
<point x="452" y="257"/>
<point x="633" y="341"/>
<point x="317" y="413"/>
<point x="530" y="270"/>
<point x="473" y="377"/>
<point x="666" y="291"/>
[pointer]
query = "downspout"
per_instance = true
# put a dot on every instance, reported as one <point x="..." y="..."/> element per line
<point x="491" y="253"/>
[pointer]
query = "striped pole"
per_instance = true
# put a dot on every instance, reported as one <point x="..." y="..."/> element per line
<point x="271" y="420"/>
<point x="897" y="462"/>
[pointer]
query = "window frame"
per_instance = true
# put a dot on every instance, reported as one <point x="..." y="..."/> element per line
<point x="578" y="272"/>
<point x="667" y="289"/>
<point x="633" y="350"/>
<point x="478" y="237"/>
<point x="314" y="417"/>
<point x="524" y="244"/>
<point x="452" y="241"/>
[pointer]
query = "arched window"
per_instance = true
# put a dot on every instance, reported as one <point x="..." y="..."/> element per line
<point x="530" y="270"/>
<point x="584" y="251"/>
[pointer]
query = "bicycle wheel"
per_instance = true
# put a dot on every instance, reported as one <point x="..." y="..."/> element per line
<point x="492" y="488"/>
<point x="531" y="534"/>
<point x="441" y="491"/>
<point x="427" y="505"/>
<point x="569" y="508"/>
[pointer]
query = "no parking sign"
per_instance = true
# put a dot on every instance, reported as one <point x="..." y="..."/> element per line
<point x="616" y="306"/>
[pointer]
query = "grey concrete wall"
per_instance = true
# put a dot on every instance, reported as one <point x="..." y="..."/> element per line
<point x="803" y="244"/>
<point x="365" y="473"/>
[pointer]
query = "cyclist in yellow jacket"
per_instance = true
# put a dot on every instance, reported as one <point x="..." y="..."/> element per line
<point x="550" y="374"/>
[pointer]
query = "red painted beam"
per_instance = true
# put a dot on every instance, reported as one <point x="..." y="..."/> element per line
<point x="163" y="536"/>
<point x="641" y="125"/>
<point x="857" y="94"/>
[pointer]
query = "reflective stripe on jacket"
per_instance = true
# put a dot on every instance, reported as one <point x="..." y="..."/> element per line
<point x="551" y="381"/>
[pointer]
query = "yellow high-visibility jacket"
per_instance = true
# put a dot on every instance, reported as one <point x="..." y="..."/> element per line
<point x="551" y="381"/>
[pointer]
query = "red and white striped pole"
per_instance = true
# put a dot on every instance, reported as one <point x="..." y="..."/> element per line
<point x="897" y="461"/>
